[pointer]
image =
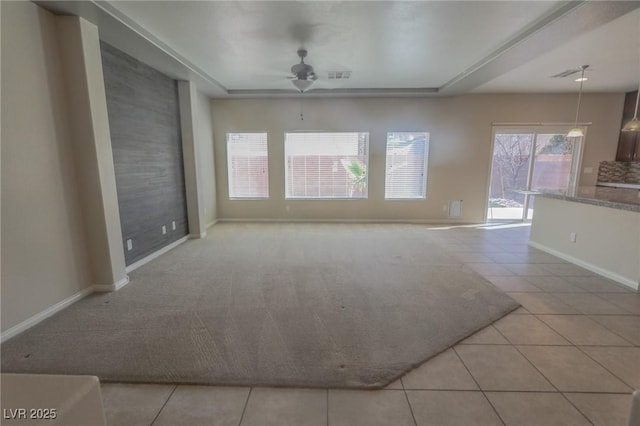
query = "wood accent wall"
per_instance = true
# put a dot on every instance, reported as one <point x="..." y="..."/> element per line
<point x="144" y="121"/>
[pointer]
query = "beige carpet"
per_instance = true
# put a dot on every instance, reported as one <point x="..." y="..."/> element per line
<point x="313" y="305"/>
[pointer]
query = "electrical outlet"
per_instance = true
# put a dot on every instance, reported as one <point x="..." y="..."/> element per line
<point x="129" y="244"/>
<point x="164" y="230"/>
<point x="572" y="237"/>
<point x="173" y="225"/>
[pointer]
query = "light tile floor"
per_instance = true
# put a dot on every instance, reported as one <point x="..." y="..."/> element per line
<point x="569" y="356"/>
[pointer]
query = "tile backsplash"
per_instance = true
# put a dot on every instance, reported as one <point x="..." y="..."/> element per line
<point x="619" y="172"/>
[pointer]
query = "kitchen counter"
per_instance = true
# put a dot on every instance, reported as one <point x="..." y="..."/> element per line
<point x="615" y="198"/>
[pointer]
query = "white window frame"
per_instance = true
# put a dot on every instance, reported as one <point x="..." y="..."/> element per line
<point x="426" y="168"/>
<point x="535" y="129"/>
<point x="286" y="167"/>
<point x="240" y="198"/>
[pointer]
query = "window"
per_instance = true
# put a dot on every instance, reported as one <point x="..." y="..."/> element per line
<point x="326" y="165"/>
<point x="247" y="165"/>
<point x="406" y="173"/>
<point x="531" y="158"/>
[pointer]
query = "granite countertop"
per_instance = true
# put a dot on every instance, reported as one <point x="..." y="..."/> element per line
<point x="615" y="198"/>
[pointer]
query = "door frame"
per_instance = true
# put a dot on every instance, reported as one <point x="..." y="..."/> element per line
<point x="535" y="128"/>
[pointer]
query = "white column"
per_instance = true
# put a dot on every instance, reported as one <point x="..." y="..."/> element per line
<point x="188" y="96"/>
<point x="89" y="128"/>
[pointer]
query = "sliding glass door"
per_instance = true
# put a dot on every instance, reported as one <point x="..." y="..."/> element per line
<point x="526" y="160"/>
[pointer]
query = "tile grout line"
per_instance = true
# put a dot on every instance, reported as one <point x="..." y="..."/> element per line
<point x="506" y="391"/>
<point x="552" y="384"/>
<point x="164" y="405"/>
<point x="630" y="343"/>
<point x="244" y="409"/>
<point x="549" y="380"/>
<point x="624" y="313"/>
<point x="633" y="344"/>
<point x="566" y="315"/>
<point x="546" y="378"/>
<point x="632" y="388"/>
<point x="406" y="396"/>
<point x="555" y="344"/>
<point x="495" y="410"/>
<point x="556" y="299"/>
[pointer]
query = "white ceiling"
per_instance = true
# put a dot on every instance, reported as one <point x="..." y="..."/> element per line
<point x="242" y="48"/>
<point x="612" y="52"/>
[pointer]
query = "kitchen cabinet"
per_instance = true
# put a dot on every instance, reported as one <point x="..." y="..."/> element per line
<point x="629" y="142"/>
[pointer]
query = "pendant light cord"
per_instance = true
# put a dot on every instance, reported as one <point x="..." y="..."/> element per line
<point x="635" y="115"/>
<point x="301" y="110"/>
<point x="580" y="96"/>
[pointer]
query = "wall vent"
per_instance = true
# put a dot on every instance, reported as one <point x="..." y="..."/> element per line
<point x="339" y="75"/>
<point x="455" y="208"/>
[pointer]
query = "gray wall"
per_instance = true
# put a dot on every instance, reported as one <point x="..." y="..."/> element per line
<point x="144" y="120"/>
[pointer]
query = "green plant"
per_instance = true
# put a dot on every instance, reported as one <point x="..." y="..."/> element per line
<point x="358" y="173"/>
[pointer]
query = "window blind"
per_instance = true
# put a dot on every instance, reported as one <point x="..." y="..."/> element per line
<point x="326" y="165"/>
<point x="406" y="170"/>
<point x="247" y="165"/>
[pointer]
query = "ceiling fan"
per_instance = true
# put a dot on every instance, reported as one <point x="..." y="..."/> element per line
<point x="303" y="74"/>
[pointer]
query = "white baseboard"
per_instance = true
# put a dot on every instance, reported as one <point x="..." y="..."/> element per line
<point x="111" y="287"/>
<point x="155" y="254"/>
<point x="30" y="322"/>
<point x="383" y="221"/>
<point x="213" y="222"/>
<point x="586" y="265"/>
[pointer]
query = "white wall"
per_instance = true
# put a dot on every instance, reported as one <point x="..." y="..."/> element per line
<point x="187" y="94"/>
<point x="44" y="247"/>
<point x="89" y="130"/>
<point x="204" y="140"/>
<point x="607" y="242"/>
<point x="197" y="149"/>
<point x="460" y="147"/>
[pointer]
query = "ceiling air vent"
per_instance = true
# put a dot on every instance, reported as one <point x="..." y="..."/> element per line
<point x="567" y="73"/>
<point x="339" y="75"/>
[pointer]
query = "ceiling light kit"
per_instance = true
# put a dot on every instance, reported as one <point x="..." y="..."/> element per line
<point x="577" y="132"/>
<point x="303" y="74"/>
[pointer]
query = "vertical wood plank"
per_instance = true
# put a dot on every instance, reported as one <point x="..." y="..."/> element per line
<point x="144" y="120"/>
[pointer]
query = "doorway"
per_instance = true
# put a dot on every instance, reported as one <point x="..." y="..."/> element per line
<point x="526" y="161"/>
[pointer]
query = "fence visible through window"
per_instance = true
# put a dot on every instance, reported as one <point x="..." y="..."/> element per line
<point x="247" y="165"/>
<point x="406" y="165"/>
<point x="326" y="165"/>
<point x="526" y="161"/>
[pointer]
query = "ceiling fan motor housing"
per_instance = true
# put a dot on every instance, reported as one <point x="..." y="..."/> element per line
<point x="303" y="71"/>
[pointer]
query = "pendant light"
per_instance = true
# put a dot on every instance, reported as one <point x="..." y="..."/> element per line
<point x="633" y="125"/>
<point x="577" y="132"/>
